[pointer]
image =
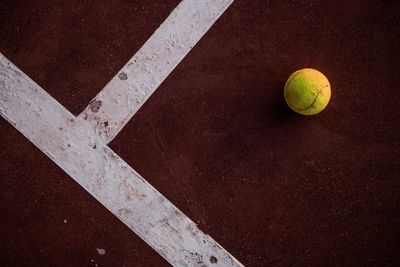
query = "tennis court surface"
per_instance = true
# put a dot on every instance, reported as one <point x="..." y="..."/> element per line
<point x="216" y="138"/>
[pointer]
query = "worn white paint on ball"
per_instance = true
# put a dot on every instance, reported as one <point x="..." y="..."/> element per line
<point x="80" y="149"/>
<point x="115" y="105"/>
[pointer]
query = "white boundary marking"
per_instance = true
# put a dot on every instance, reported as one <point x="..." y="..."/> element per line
<point x="122" y="97"/>
<point x="79" y="148"/>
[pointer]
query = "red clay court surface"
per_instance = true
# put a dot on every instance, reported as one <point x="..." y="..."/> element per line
<point x="272" y="187"/>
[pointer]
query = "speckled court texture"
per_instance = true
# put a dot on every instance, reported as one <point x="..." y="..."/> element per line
<point x="272" y="187"/>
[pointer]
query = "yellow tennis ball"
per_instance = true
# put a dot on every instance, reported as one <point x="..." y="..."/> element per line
<point x="307" y="91"/>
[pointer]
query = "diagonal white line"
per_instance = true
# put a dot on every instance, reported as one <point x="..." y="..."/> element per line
<point x="71" y="143"/>
<point x="115" y="105"/>
<point x="78" y="145"/>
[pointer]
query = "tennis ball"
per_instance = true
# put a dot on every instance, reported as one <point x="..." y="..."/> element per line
<point x="307" y="91"/>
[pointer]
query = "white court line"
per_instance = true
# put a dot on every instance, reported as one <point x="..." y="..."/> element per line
<point x="71" y="143"/>
<point x="115" y="105"/>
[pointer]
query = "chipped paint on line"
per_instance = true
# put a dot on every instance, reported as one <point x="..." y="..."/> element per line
<point x="122" y="97"/>
<point x="71" y="143"/>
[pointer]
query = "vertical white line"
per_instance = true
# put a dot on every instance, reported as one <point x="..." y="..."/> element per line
<point x="115" y="105"/>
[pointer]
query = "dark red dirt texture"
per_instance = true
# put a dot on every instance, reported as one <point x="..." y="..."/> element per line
<point x="272" y="187"/>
